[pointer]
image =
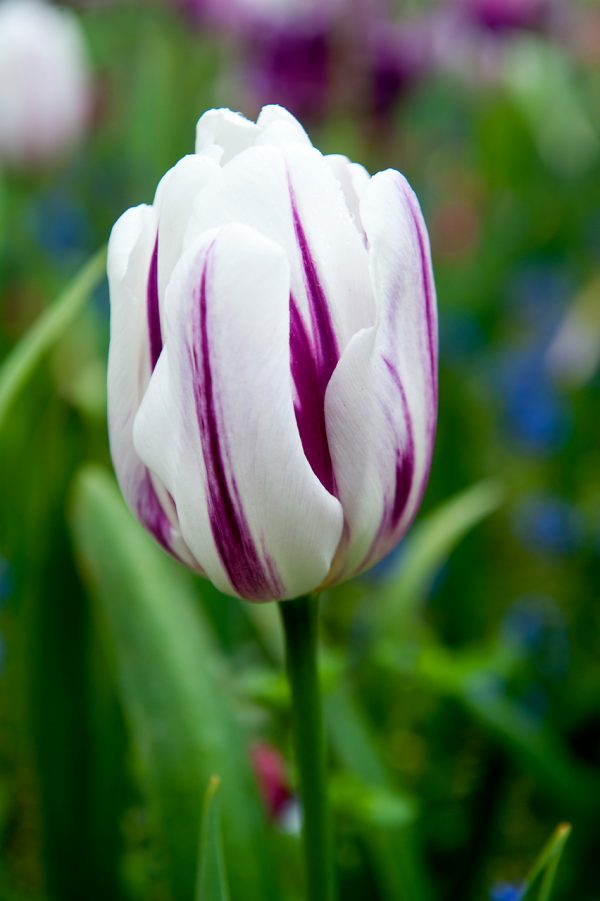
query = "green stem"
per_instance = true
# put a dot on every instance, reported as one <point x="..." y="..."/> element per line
<point x="300" y="625"/>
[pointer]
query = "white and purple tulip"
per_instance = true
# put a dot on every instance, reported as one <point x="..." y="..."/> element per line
<point x="45" y="82"/>
<point x="272" y="380"/>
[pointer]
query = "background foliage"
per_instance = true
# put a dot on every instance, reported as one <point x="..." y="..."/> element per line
<point x="462" y="677"/>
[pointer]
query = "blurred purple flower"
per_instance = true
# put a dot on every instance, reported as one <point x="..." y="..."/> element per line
<point x="508" y="15"/>
<point x="303" y="54"/>
<point x="398" y="56"/>
<point x="291" y="66"/>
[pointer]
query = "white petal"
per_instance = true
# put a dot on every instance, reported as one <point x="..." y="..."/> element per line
<point x="223" y="128"/>
<point x="175" y="197"/>
<point x="218" y="427"/>
<point x="279" y="128"/>
<point x="291" y="196"/>
<point x="130" y="253"/>
<point x="353" y="179"/>
<point x="381" y="402"/>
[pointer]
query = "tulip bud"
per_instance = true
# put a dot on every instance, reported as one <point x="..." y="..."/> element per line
<point x="272" y="380"/>
<point x="44" y="82"/>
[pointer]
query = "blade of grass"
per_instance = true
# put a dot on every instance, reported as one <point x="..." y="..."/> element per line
<point x="26" y="356"/>
<point x="429" y="545"/>
<point x="540" y="881"/>
<point x="212" y="878"/>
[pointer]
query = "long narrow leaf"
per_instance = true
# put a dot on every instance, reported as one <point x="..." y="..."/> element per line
<point x="427" y="548"/>
<point x="26" y="356"/>
<point x="172" y="689"/>
<point x="539" y="884"/>
<point x="212" y="879"/>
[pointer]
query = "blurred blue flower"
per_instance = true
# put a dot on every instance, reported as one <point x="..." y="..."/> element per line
<point x="548" y="524"/>
<point x="7" y="581"/>
<point x="535" y="414"/>
<point x="60" y="226"/>
<point x="537" y="295"/>
<point x="535" y="626"/>
<point x="503" y="891"/>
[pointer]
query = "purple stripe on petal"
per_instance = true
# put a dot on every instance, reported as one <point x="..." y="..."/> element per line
<point x="314" y="357"/>
<point x="405" y="459"/>
<point x="395" y="506"/>
<point x="250" y="577"/>
<point x="309" y="404"/>
<point x="153" y="311"/>
<point x="428" y="286"/>
<point x="151" y="514"/>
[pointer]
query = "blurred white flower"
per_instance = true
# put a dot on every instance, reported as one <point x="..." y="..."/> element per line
<point x="45" y="83"/>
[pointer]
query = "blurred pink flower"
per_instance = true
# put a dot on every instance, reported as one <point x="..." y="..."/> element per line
<point x="272" y="776"/>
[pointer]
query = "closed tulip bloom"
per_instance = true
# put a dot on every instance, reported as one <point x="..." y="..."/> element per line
<point x="44" y="82"/>
<point x="273" y="359"/>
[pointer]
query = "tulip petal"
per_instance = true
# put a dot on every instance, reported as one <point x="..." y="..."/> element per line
<point x="217" y="424"/>
<point x="353" y="179"/>
<point x="224" y="129"/>
<point x="381" y="403"/>
<point x="174" y="202"/>
<point x="131" y="275"/>
<point x="278" y="127"/>
<point x="292" y="197"/>
<point x="223" y="134"/>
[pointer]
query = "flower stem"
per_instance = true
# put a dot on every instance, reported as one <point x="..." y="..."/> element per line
<point x="300" y="625"/>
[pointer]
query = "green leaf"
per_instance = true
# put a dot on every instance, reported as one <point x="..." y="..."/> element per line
<point x="540" y="882"/>
<point x="212" y="879"/>
<point x="426" y="549"/>
<point x="173" y="687"/>
<point x="27" y="355"/>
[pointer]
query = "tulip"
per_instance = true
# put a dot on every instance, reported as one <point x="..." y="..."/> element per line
<point x="44" y="73"/>
<point x="272" y="378"/>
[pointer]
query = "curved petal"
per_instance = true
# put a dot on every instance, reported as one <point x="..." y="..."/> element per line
<point x="221" y="128"/>
<point x="130" y="254"/>
<point x="381" y="404"/>
<point x="279" y="128"/>
<point x="174" y="202"/>
<point x="217" y="424"/>
<point x="224" y="134"/>
<point x="291" y="196"/>
<point x="353" y="179"/>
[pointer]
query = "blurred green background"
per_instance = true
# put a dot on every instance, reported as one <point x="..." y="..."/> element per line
<point x="462" y="676"/>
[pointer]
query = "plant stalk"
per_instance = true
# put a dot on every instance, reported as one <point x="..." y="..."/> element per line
<point x="300" y="626"/>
